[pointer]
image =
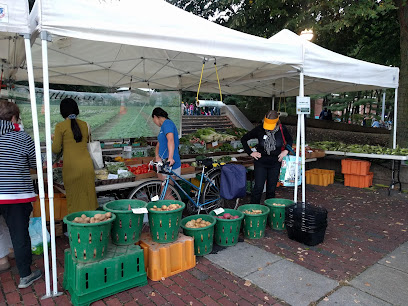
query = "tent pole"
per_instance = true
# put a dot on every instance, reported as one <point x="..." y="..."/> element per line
<point x="40" y="175"/>
<point x="302" y="131"/>
<point x="295" y="195"/>
<point x="273" y="103"/>
<point x="394" y="138"/>
<point x="383" y="106"/>
<point x="44" y="45"/>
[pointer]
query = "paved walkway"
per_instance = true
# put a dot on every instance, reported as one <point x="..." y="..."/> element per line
<point x="362" y="261"/>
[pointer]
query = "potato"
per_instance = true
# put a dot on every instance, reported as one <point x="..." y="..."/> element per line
<point x="164" y="207"/>
<point x="108" y="214"/>
<point x="92" y="220"/>
<point x="87" y="219"/>
<point x="98" y="216"/>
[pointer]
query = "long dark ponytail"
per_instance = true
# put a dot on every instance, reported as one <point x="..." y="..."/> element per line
<point x="69" y="109"/>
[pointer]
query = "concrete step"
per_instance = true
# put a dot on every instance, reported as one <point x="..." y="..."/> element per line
<point x="220" y="124"/>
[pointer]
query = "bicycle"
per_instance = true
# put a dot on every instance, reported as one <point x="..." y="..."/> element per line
<point x="206" y="195"/>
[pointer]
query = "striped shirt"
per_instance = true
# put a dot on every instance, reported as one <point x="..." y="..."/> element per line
<point x="17" y="156"/>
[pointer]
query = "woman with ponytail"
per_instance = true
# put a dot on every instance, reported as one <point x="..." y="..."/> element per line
<point x="70" y="138"/>
<point x="272" y="139"/>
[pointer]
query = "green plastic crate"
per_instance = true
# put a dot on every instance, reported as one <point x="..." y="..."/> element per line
<point x="254" y="225"/>
<point x="165" y="225"/>
<point x="127" y="227"/>
<point x="276" y="218"/>
<point x="203" y="237"/>
<point x="227" y="231"/>
<point x="122" y="269"/>
<point x="88" y="242"/>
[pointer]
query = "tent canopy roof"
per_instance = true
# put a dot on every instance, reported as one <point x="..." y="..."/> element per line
<point x="326" y="71"/>
<point x="154" y="44"/>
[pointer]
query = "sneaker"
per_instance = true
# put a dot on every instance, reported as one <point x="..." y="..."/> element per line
<point x="28" y="280"/>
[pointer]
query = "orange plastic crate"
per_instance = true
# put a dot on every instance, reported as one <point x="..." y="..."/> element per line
<point x="60" y="207"/>
<point x="321" y="177"/>
<point x="164" y="260"/>
<point x="359" y="181"/>
<point x="355" y="166"/>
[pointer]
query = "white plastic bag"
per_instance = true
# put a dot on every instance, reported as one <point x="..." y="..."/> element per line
<point x="35" y="231"/>
<point x="95" y="151"/>
<point x="287" y="172"/>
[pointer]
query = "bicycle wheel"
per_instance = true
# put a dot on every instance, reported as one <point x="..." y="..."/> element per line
<point x="147" y="190"/>
<point x="211" y="191"/>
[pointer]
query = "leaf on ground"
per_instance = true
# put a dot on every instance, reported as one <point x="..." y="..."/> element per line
<point x="259" y="269"/>
<point x="323" y="270"/>
<point x="266" y="298"/>
<point x="247" y="283"/>
<point x="326" y="299"/>
<point x="399" y="223"/>
<point x="153" y="294"/>
<point x="191" y="303"/>
<point x="235" y="282"/>
<point x="387" y="261"/>
<point x="370" y="239"/>
<point x="393" y="256"/>
<point x="301" y="259"/>
<point x="367" y="284"/>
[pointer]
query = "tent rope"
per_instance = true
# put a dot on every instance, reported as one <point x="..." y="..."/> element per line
<point x="218" y="80"/>
<point x="201" y="78"/>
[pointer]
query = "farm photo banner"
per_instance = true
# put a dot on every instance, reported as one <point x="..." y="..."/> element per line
<point x="125" y="114"/>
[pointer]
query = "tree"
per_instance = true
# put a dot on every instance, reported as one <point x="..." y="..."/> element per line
<point x="402" y="123"/>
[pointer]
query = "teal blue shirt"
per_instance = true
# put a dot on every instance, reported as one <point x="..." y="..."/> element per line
<point x="168" y="126"/>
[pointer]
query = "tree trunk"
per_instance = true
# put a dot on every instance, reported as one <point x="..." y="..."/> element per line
<point x="402" y="110"/>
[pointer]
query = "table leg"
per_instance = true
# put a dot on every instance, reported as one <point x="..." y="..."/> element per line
<point x="395" y="175"/>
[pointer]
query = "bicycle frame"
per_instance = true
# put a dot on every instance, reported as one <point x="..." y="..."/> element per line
<point x="197" y="204"/>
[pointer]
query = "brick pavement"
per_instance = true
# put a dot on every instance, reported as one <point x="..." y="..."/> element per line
<point x="364" y="226"/>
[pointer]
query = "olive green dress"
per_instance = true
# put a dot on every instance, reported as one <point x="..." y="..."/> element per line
<point x="78" y="171"/>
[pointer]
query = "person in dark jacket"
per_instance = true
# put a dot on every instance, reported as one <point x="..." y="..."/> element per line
<point x="269" y="153"/>
<point x="17" y="156"/>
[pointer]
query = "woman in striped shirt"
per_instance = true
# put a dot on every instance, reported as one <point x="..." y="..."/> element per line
<point x="17" y="156"/>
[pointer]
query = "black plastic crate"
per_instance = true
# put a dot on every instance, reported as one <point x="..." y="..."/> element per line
<point x="311" y="215"/>
<point x="309" y="238"/>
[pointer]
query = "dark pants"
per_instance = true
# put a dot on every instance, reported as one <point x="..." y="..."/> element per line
<point x="262" y="173"/>
<point x="17" y="217"/>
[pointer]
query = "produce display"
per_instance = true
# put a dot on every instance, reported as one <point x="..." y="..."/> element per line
<point x="210" y="135"/>
<point x="166" y="208"/>
<point x="145" y="168"/>
<point x="356" y="148"/>
<point x="101" y="174"/>
<point x="237" y="132"/>
<point x="278" y="205"/>
<point x="227" y="216"/>
<point x="95" y="219"/>
<point x="253" y="212"/>
<point x="197" y="223"/>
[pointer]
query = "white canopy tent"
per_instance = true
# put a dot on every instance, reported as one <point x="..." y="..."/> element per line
<point x="326" y="71"/>
<point x="15" y="47"/>
<point x="154" y="44"/>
